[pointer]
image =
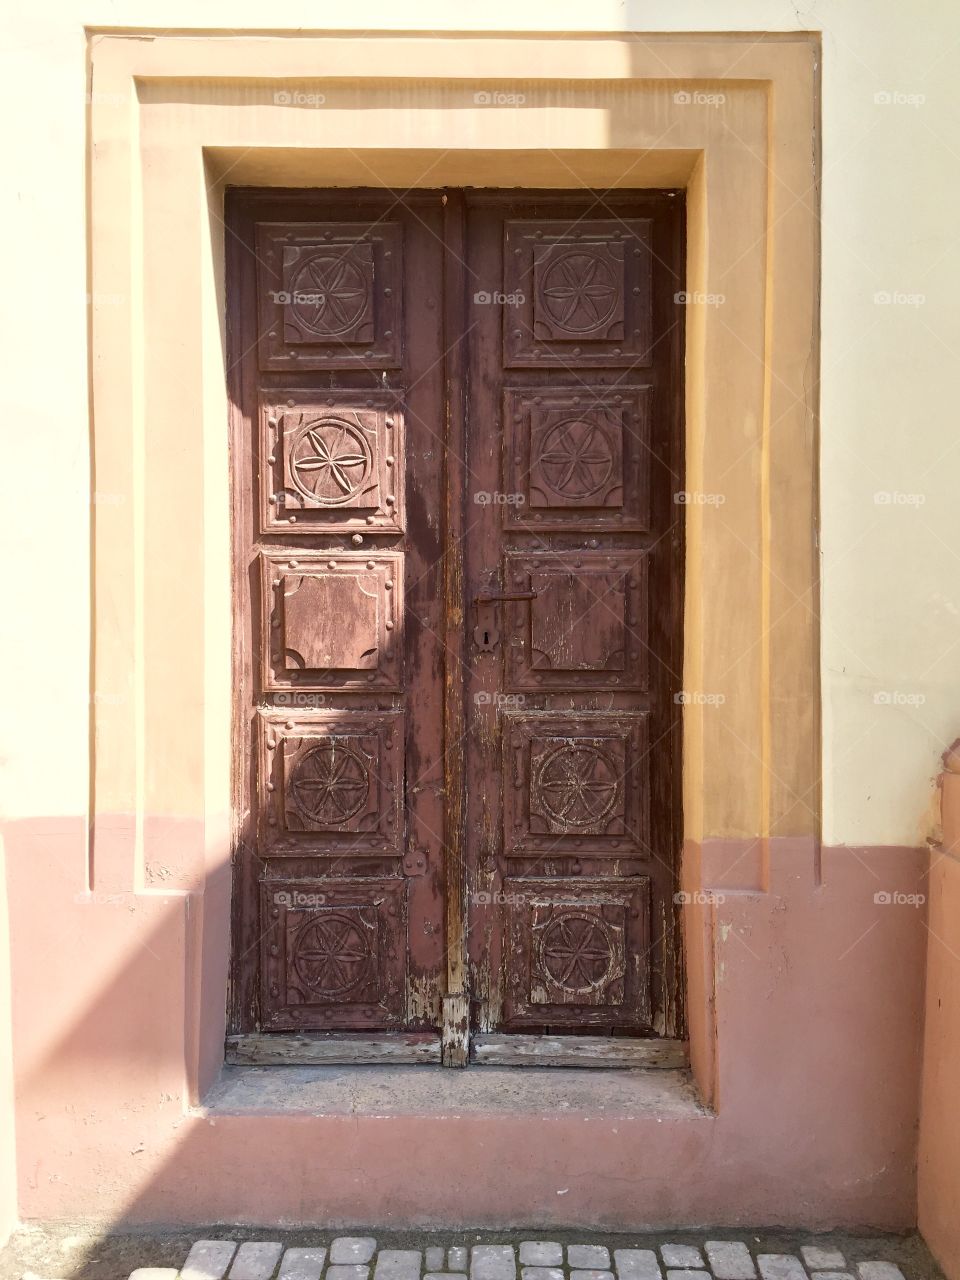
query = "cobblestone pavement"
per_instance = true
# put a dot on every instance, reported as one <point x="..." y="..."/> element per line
<point x="247" y="1254"/>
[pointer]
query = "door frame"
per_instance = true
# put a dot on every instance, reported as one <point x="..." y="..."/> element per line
<point x="172" y="122"/>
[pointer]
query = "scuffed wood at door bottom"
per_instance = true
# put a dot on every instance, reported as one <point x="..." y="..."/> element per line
<point x="332" y="1049"/>
<point x="455" y="1038"/>
<point x="577" y="1051"/>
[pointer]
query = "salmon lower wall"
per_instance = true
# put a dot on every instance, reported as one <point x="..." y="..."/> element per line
<point x="805" y="1001"/>
<point x="8" y="1146"/>
<point x="939" y="1153"/>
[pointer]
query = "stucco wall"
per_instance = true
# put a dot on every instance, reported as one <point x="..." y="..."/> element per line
<point x="891" y="608"/>
<point x="891" y="616"/>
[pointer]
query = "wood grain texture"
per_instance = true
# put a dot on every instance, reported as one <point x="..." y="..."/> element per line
<point x="577" y="1051"/>
<point x="341" y="1049"/>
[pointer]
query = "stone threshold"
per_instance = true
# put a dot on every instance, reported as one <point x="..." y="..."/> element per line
<point x="381" y="1091"/>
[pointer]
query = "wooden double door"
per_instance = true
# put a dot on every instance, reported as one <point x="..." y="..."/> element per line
<point x="457" y="468"/>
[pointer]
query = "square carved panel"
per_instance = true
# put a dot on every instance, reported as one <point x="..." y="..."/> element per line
<point x="586" y="290"/>
<point x="331" y="461"/>
<point x="580" y="457"/>
<point x="585" y="628"/>
<point x="330" y="783"/>
<point x="576" y="784"/>
<point x="330" y="294"/>
<point x="332" y="620"/>
<point x="579" y="952"/>
<point x="333" y="954"/>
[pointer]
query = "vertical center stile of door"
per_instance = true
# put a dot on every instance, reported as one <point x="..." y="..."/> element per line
<point x="456" y="1003"/>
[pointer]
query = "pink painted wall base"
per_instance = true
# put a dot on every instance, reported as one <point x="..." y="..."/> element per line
<point x="939" y="1163"/>
<point x="811" y="994"/>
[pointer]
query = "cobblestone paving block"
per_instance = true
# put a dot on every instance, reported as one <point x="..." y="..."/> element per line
<point x="832" y="1275"/>
<point x="348" y="1271"/>
<point x="879" y="1271"/>
<point x="730" y="1260"/>
<point x="785" y="1266"/>
<point x="685" y="1273"/>
<point x="637" y="1264"/>
<point x="542" y="1273"/>
<point x="256" y="1260"/>
<point x="399" y="1264"/>
<point x="346" y="1249"/>
<point x="457" y="1258"/>
<point x="492" y="1262"/>
<point x="208" y="1260"/>
<point x="541" y="1253"/>
<point x="681" y="1255"/>
<point x="445" y="1275"/>
<point x="302" y="1264"/>
<point x="819" y="1259"/>
<point x="588" y="1257"/>
<point x="154" y="1273"/>
<point x="434" y="1258"/>
<point x="591" y="1275"/>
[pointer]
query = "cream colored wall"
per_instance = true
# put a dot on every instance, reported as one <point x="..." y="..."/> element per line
<point x="891" y="627"/>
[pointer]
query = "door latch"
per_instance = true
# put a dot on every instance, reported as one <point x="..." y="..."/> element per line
<point x="494" y="597"/>
<point x="486" y="636"/>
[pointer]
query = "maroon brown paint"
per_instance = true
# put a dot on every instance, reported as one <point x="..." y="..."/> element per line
<point x="456" y="434"/>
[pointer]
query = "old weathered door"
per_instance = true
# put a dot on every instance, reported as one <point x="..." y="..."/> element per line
<point x="337" y="369"/>
<point x="573" y="569"/>
<point x="456" y="444"/>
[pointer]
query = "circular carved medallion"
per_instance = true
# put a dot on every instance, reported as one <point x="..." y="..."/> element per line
<point x="576" y="952"/>
<point x="331" y="954"/>
<point x="578" y="292"/>
<point x="330" y="295"/>
<point x="330" y="461"/>
<point x="577" y="458"/>
<point x="329" y="785"/>
<point x="578" y="786"/>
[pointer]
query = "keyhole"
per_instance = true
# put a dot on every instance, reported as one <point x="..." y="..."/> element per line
<point x="486" y="638"/>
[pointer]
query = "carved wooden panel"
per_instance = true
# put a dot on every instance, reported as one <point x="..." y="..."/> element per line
<point x="576" y="784"/>
<point x="585" y="628"/>
<point x="332" y="620"/>
<point x="577" y="457"/>
<point x="329" y="294"/>
<point x="333" y="953"/>
<point x="331" y="783"/>
<point x="578" y="952"/>
<point x="585" y="290"/>
<point x="331" y="461"/>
